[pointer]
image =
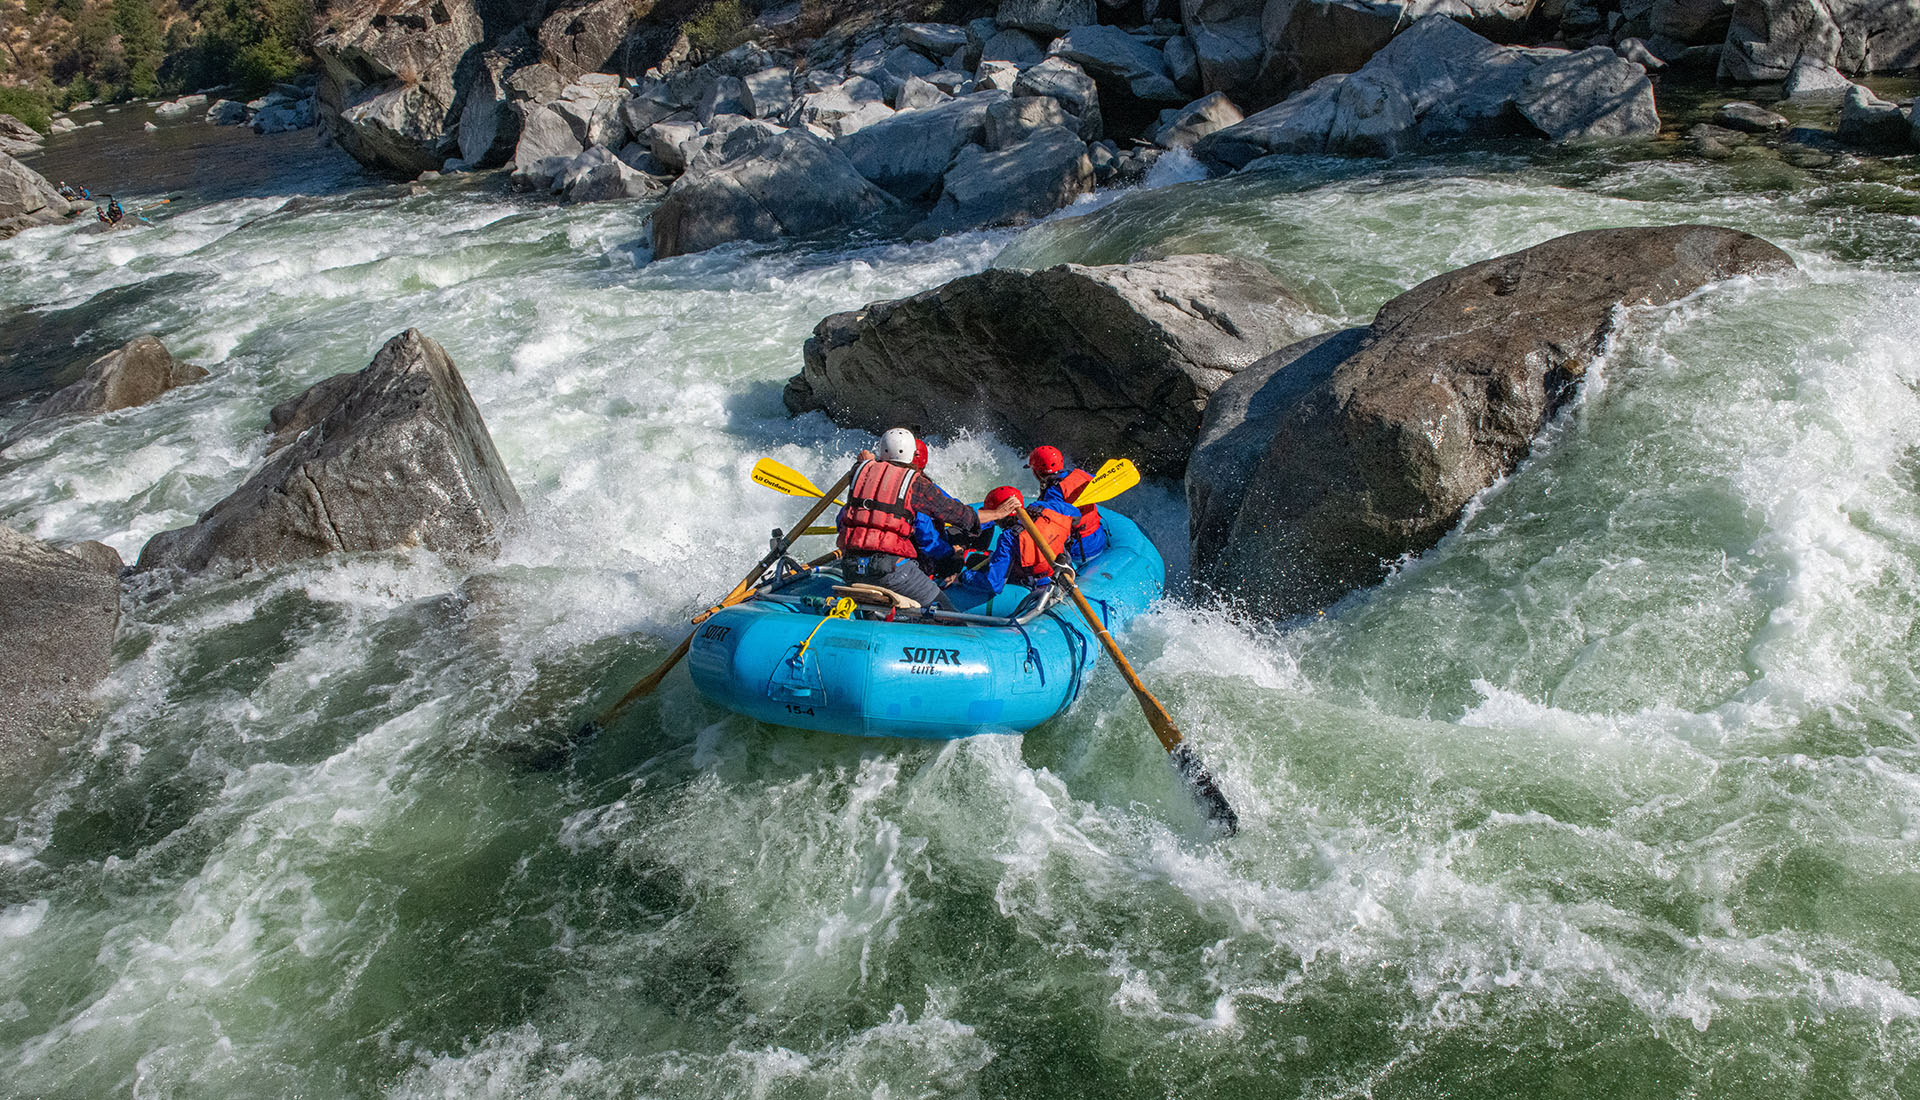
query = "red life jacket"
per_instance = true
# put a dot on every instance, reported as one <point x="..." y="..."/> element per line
<point x="1070" y="487"/>
<point x="877" y="519"/>
<point x="1029" y="561"/>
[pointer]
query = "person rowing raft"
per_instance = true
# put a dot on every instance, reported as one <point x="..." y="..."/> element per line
<point x="877" y="525"/>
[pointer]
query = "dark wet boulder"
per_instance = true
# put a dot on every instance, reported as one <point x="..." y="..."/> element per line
<point x="401" y="458"/>
<point x="388" y="77"/>
<point x="59" y="611"/>
<point x="1325" y="462"/>
<point x="27" y="199"/>
<point x="1103" y="361"/>
<point x="1869" y="122"/>
<point x="761" y="186"/>
<point x="310" y="406"/>
<point x="132" y="374"/>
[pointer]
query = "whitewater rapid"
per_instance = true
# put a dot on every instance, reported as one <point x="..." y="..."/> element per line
<point x="1614" y="790"/>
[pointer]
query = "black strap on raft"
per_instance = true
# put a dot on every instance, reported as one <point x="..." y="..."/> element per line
<point x="1033" y="655"/>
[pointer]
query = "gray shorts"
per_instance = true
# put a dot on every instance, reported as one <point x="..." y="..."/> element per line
<point x="904" y="576"/>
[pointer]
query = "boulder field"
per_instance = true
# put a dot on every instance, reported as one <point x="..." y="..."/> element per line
<point x="395" y="457"/>
<point x="930" y="128"/>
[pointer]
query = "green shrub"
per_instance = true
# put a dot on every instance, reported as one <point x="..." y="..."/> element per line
<point x="719" y="28"/>
<point x="26" y="105"/>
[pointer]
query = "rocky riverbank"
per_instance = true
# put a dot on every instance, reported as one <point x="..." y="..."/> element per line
<point x="925" y="128"/>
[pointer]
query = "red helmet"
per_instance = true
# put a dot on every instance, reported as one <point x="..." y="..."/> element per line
<point x="1003" y="494"/>
<point x="919" y="454"/>
<point x="1046" y="461"/>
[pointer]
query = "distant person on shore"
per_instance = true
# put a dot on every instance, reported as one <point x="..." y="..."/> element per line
<point x="887" y="497"/>
<point x="1059" y="484"/>
<point x="1015" y="557"/>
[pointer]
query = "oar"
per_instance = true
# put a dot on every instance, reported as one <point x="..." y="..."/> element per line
<point x="740" y="592"/>
<point x="786" y="479"/>
<point x="1116" y="476"/>
<point x="1185" y="761"/>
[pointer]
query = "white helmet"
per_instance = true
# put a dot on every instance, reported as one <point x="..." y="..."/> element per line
<point x="896" y="445"/>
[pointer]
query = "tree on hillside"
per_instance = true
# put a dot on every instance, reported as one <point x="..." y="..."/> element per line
<point x="140" y="44"/>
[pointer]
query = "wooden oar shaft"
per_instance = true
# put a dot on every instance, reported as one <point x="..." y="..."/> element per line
<point x="740" y="592"/>
<point x="1157" y="716"/>
<point x="1205" y="789"/>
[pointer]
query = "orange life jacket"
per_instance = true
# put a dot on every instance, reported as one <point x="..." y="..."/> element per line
<point x="877" y="519"/>
<point x="1029" y="560"/>
<point x="1070" y="487"/>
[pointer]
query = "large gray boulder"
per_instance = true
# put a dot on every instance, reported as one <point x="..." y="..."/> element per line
<point x="1115" y="58"/>
<point x="907" y="154"/>
<point x="132" y="374"/>
<point x="1456" y="84"/>
<point x="58" y="615"/>
<point x="1691" y="22"/>
<point x="1210" y="113"/>
<point x="603" y="36"/>
<point x="1010" y="186"/>
<point x="402" y="459"/>
<point x="27" y="199"/>
<point x="1870" y="122"/>
<point x="1814" y="82"/>
<point x="1047" y="17"/>
<point x="1103" y="361"/>
<point x="1067" y="82"/>
<point x="545" y="135"/>
<point x="500" y="96"/>
<point x="1301" y="41"/>
<point x="1228" y="48"/>
<point x="1767" y="38"/>
<point x="1593" y="95"/>
<point x="1012" y="121"/>
<point x="388" y="79"/>
<point x="790" y="184"/>
<point x="769" y="92"/>
<point x="1013" y="47"/>
<point x="1324" y="463"/>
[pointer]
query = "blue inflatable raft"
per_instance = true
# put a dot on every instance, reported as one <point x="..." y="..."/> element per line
<point x="1002" y="666"/>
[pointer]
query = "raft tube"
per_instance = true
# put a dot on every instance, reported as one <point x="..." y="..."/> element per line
<point x="913" y="677"/>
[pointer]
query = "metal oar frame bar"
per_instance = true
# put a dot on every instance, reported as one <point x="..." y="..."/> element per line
<point x="787" y="571"/>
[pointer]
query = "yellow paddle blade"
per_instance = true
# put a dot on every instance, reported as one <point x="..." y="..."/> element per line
<point x="785" y="479"/>
<point x="1114" y="478"/>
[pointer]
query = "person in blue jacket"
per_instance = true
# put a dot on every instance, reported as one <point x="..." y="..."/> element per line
<point x="1015" y="558"/>
<point x="1059" y="484"/>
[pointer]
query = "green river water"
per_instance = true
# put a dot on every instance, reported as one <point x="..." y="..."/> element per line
<point x="1614" y="793"/>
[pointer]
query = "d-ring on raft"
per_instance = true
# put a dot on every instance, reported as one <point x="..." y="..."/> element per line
<point x="1004" y="665"/>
